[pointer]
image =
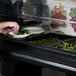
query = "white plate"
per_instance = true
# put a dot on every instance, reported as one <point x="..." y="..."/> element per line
<point x="14" y="35"/>
<point x="33" y="30"/>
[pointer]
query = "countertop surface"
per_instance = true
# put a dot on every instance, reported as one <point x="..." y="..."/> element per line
<point x="41" y="57"/>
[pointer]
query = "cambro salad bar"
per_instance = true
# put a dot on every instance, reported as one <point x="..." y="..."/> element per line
<point x="46" y="50"/>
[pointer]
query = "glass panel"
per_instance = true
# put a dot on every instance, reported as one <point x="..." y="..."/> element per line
<point x="38" y="8"/>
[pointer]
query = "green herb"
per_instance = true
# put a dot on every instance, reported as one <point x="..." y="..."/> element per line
<point x="66" y="46"/>
<point x="46" y="42"/>
<point x="23" y="31"/>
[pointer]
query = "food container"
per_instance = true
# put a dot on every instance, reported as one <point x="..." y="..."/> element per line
<point x="68" y="45"/>
<point x="52" y="36"/>
<point x="50" y="41"/>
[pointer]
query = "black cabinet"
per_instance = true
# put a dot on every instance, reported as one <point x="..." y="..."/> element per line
<point x="19" y="68"/>
<point x="23" y="69"/>
<point x="0" y="67"/>
<point x="2" y="63"/>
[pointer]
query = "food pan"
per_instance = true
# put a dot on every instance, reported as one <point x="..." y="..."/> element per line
<point x="47" y="39"/>
<point x="50" y="41"/>
<point x="47" y="47"/>
<point x="68" y="45"/>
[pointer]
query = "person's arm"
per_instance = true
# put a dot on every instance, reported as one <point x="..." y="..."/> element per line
<point x="14" y="25"/>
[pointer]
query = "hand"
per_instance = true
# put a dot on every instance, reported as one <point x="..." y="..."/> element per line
<point x="14" y="27"/>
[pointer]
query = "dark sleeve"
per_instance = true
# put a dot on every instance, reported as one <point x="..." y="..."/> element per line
<point x="9" y="11"/>
<point x="18" y="5"/>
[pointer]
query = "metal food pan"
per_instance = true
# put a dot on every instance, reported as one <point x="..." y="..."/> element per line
<point x="26" y="42"/>
<point x="47" y="39"/>
<point x="68" y="45"/>
<point x="52" y="47"/>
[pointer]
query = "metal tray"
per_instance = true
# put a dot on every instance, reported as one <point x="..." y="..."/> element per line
<point x="45" y="39"/>
<point x="26" y="41"/>
<point x="52" y="46"/>
<point x="40" y="36"/>
<point x="68" y="45"/>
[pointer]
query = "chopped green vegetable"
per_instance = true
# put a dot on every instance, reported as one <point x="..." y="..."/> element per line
<point x="46" y="42"/>
<point x="66" y="46"/>
<point x="23" y="31"/>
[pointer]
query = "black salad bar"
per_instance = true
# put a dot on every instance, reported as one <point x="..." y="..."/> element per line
<point x="44" y="50"/>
